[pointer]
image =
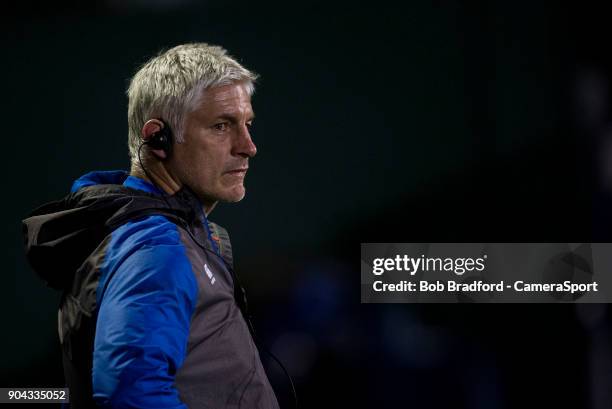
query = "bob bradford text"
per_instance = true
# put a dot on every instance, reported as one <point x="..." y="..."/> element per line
<point x="482" y="286"/>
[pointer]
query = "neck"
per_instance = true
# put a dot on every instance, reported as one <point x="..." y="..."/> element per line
<point x="158" y="175"/>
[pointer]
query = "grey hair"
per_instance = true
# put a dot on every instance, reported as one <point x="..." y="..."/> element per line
<point x="170" y="85"/>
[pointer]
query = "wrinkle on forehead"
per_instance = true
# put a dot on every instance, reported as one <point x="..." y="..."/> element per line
<point x="226" y="99"/>
<point x="225" y="92"/>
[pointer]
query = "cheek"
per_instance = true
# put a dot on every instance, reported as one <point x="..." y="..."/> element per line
<point x="202" y="162"/>
<point x="207" y="165"/>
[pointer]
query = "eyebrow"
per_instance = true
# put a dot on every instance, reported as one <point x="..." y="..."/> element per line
<point x="232" y="117"/>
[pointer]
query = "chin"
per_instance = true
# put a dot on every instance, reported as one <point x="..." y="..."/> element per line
<point x="237" y="197"/>
<point x="234" y="195"/>
<point x="227" y="195"/>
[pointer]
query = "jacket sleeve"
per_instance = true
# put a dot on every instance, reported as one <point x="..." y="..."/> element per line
<point x="143" y="328"/>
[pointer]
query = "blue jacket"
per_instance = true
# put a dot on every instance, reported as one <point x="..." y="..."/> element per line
<point x="148" y="317"/>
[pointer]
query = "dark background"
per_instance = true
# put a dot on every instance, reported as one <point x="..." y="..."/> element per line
<point x="428" y="122"/>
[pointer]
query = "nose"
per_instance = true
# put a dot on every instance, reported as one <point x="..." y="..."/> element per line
<point x="244" y="145"/>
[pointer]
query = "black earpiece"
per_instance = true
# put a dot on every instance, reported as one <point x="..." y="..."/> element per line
<point x="161" y="140"/>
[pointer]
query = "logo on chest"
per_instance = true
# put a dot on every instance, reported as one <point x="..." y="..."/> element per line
<point x="209" y="273"/>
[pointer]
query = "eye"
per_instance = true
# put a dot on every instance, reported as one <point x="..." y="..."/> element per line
<point x="250" y="125"/>
<point x="221" y="126"/>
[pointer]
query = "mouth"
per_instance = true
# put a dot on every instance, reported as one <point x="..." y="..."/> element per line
<point x="237" y="172"/>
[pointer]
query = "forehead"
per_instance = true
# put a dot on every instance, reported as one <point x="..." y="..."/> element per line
<point x="225" y="99"/>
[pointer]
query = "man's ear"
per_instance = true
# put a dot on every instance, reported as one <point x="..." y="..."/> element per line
<point x="149" y="128"/>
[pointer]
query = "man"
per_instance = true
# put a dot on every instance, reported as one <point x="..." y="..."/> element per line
<point x="151" y="314"/>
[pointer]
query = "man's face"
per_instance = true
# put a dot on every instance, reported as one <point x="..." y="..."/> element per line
<point x="214" y="156"/>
